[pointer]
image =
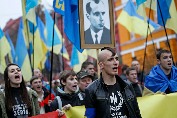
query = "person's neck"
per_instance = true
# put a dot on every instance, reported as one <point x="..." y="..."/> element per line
<point x="108" y="79"/>
<point x="15" y="85"/>
<point x="67" y="91"/>
<point x="40" y="94"/>
<point x="167" y="72"/>
<point x="94" y="29"/>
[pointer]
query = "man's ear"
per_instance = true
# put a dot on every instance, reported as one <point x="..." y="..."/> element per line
<point x="158" y="61"/>
<point x="126" y="76"/>
<point x="63" y="83"/>
<point x="88" y="16"/>
<point x="101" y="65"/>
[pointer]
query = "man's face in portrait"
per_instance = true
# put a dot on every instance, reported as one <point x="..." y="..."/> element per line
<point x="96" y="16"/>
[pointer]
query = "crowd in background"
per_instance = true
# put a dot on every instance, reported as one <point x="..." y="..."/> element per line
<point x="68" y="89"/>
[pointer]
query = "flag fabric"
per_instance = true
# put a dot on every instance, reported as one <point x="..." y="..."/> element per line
<point x="58" y="6"/>
<point x="134" y="22"/>
<point x="172" y="22"/>
<point x="77" y="58"/>
<point x="166" y="105"/>
<point x="38" y="49"/>
<point x="22" y="54"/>
<point x="139" y="2"/>
<point x="152" y="3"/>
<point x="142" y="4"/>
<point x="46" y="61"/>
<point x="49" y="34"/>
<point x="30" y="10"/>
<point x="164" y="6"/>
<point x="92" y="53"/>
<point x="73" y="112"/>
<point x="74" y="57"/>
<point x="12" y="52"/>
<point x="71" y="23"/>
<point x="4" y="50"/>
<point x="141" y="9"/>
<point x="53" y="114"/>
<point x="64" y="52"/>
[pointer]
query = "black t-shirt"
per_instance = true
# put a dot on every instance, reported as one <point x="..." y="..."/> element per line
<point x="118" y="108"/>
<point x="19" y="109"/>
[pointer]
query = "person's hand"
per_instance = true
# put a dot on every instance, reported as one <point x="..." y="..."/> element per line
<point x="49" y="102"/>
<point x="60" y="113"/>
<point x="66" y="107"/>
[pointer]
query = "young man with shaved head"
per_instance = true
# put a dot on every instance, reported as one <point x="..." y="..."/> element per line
<point x="110" y="96"/>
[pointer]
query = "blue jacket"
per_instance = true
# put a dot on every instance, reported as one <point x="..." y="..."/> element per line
<point x="158" y="81"/>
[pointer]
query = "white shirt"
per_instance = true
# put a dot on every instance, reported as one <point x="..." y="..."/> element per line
<point x="99" y="35"/>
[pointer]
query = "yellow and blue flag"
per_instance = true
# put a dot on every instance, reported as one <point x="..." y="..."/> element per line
<point x="22" y="54"/>
<point x="134" y="22"/>
<point x="71" y="23"/>
<point x="163" y="11"/>
<point x="4" y="50"/>
<point x="170" y="21"/>
<point x="58" y="6"/>
<point x="49" y="34"/>
<point x="30" y="10"/>
<point x="77" y="58"/>
<point x="143" y="4"/>
<point x="64" y="52"/>
<point x="37" y="48"/>
<point x="12" y="52"/>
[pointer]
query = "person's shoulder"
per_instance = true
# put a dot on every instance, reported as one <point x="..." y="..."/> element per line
<point x="94" y="84"/>
<point x="174" y="67"/>
<point x="106" y="29"/>
<point x="31" y="92"/>
<point x="87" y="31"/>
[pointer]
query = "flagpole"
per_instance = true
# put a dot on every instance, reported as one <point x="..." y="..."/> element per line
<point x="148" y="29"/>
<point x="98" y="68"/>
<point x="158" y="4"/>
<point x="51" y="69"/>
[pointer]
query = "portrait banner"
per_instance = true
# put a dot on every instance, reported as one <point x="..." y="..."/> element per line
<point x="96" y="18"/>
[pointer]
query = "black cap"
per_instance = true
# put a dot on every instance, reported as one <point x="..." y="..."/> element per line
<point x="82" y="74"/>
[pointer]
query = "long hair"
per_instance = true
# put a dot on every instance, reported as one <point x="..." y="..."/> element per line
<point x="8" y="94"/>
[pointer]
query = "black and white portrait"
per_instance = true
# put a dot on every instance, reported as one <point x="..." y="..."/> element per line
<point x="96" y="22"/>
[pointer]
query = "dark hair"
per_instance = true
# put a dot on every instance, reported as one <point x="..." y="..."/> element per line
<point x="110" y="49"/>
<point x="129" y="69"/>
<point x="124" y="67"/>
<point x="85" y="64"/>
<point x="65" y="74"/>
<point x="88" y="8"/>
<point x="8" y="94"/>
<point x="160" y="52"/>
<point x="33" y="78"/>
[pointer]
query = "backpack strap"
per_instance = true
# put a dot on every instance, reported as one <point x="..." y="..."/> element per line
<point x="59" y="102"/>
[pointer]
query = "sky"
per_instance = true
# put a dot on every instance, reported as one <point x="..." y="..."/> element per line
<point x="12" y="9"/>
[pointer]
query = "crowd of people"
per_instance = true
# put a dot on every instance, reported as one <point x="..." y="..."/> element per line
<point x="106" y="95"/>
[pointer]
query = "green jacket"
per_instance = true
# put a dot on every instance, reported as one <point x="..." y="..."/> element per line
<point x="34" y="100"/>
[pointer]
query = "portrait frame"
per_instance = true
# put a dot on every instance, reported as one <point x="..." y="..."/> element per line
<point x="84" y="25"/>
